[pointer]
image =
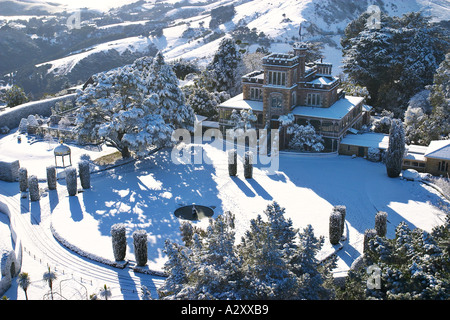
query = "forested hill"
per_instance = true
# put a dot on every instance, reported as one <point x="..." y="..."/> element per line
<point x="45" y="47"/>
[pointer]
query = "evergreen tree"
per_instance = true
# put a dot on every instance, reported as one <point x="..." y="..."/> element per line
<point x="177" y="268"/>
<point x="440" y="101"/>
<point x="415" y="265"/>
<point x="135" y="107"/>
<point x="162" y="81"/>
<point x="205" y="103"/>
<point x="14" y="96"/>
<point x="396" y="149"/>
<point x="395" y="61"/>
<point x="305" y="138"/>
<point x="226" y="68"/>
<point x="272" y="261"/>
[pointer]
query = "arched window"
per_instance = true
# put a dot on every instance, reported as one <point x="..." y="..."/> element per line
<point x="276" y="100"/>
<point x="294" y="98"/>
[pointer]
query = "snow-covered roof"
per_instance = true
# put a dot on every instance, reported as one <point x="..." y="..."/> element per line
<point x="323" y="80"/>
<point x="369" y="140"/>
<point x="238" y="102"/>
<point x="439" y="149"/>
<point x="415" y="152"/>
<point x="336" y="112"/>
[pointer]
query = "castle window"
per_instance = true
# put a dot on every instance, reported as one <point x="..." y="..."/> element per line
<point x="277" y="78"/>
<point x="294" y="98"/>
<point x="256" y="94"/>
<point x="313" y="99"/>
<point x="443" y="166"/>
<point x="276" y="101"/>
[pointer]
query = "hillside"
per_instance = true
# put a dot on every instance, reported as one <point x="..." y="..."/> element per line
<point x="47" y="54"/>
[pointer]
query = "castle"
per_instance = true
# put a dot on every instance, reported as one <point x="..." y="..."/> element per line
<point x="289" y="85"/>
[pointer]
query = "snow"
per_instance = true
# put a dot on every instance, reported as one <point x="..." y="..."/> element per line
<point x="37" y="155"/>
<point x="64" y="65"/>
<point x="370" y="140"/>
<point x="439" y="149"/>
<point x="145" y="194"/>
<point x="239" y="103"/>
<point x="337" y="111"/>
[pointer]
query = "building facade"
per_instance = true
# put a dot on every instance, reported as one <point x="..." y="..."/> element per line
<point x="289" y="85"/>
<point x="433" y="159"/>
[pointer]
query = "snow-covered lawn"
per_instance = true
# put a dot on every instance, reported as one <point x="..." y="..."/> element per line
<point x="144" y="195"/>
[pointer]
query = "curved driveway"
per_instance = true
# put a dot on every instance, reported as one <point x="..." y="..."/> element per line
<point x="31" y="222"/>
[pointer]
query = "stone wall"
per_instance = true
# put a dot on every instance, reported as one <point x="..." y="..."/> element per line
<point x="10" y="260"/>
<point x="12" y="116"/>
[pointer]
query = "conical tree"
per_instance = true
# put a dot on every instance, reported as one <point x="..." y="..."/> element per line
<point x="396" y="149"/>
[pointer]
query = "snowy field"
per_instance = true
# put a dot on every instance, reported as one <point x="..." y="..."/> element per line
<point x="145" y="194"/>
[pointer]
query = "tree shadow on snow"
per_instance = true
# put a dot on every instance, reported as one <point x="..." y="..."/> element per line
<point x="362" y="186"/>
<point x="144" y="195"/>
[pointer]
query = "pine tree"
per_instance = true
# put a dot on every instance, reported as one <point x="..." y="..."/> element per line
<point x="395" y="61"/>
<point x="440" y="101"/>
<point x="266" y="274"/>
<point x="273" y="260"/>
<point x="396" y="149"/>
<point x="315" y="276"/>
<point x="14" y="96"/>
<point x="414" y="266"/>
<point x="177" y="268"/>
<point x="135" y="107"/>
<point x="227" y="68"/>
<point x="162" y="81"/>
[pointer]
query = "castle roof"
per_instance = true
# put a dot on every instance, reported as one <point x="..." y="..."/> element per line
<point x="238" y="102"/>
<point x="335" y="112"/>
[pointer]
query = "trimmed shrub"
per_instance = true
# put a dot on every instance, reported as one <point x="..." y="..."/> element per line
<point x="23" y="179"/>
<point x="119" y="241"/>
<point x="51" y="177"/>
<point x="33" y="186"/>
<point x="373" y="154"/>
<point x="381" y="223"/>
<point x="335" y="227"/>
<point x="248" y="165"/>
<point x="369" y="234"/>
<point x="232" y="162"/>
<point x="342" y="210"/>
<point x="71" y="180"/>
<point x="140" y="247"/>
<point x="85" y="175"/>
